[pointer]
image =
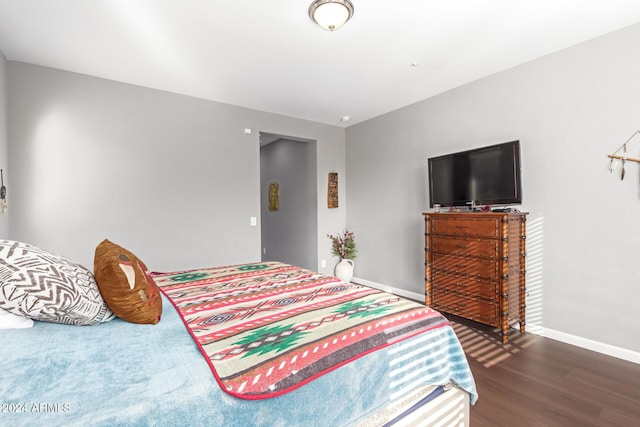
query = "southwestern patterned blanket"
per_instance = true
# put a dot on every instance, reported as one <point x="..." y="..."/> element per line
<point x="267" y="328"/>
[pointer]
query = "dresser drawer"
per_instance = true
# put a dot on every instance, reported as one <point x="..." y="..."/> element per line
<point x="476" y="226"/>
<point x="465" y="246"/>
<point x="467" y="307"/>
<point x="474" y="267"/>
<point x="466" y="286"/>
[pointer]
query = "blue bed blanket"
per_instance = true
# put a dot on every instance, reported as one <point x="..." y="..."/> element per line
<point x="119" y="373"/>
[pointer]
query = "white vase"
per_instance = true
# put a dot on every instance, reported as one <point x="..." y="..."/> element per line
<point x="344" y="270"/>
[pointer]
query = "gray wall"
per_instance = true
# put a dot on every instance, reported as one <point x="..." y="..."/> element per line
<point x="569" y="110"/>
<point x="173" y="178"/>
<point x="289" y="234"/>
<point x="4" y="145"/>
<point x="4" y="149"/>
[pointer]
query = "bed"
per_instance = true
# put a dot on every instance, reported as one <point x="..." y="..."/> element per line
<point x="121" y="373"/>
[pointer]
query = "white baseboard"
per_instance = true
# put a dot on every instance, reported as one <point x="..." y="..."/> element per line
<point x="390" y="289"/>
<point x="609" y="350"/>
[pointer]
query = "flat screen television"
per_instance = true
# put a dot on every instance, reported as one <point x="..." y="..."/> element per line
<point x="487" y="176"/>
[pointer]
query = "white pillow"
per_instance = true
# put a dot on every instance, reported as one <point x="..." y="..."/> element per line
<point x="44" y="286"/>
<point x="13" y="321"/>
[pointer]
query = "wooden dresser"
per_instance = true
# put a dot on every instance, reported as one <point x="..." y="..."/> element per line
<point x="475" y="266"/>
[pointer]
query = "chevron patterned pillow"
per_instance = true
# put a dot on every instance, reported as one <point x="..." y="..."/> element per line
<point x="43" y="286"/>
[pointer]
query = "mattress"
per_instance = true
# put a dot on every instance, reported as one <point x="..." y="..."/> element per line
<point x="119" y="373"/>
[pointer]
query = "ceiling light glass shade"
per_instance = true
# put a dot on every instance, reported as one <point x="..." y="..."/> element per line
<point x="331" y="14"/>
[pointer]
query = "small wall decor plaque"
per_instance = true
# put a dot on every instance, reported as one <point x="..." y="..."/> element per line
<point x="332" y="192"/>
<point x="3" y="193"/>
<point x="274" y="196"/>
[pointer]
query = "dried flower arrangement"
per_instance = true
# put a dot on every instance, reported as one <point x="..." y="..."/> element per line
<point x="343" y="245"/>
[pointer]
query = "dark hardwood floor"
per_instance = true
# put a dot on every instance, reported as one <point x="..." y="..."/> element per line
<point x="537" y="381"/>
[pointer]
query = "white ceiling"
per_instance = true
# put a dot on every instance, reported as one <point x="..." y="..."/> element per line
<point x="268" y="55"/>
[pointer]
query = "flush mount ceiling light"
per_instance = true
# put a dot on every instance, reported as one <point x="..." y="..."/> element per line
<point x="331" y="14"/>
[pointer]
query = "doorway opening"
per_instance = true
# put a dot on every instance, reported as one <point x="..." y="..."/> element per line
<point x="288" y="200"/>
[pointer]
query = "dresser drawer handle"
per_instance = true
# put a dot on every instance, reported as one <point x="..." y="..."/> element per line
<point x="463" y="285"/>
<point x="461" y="246"/>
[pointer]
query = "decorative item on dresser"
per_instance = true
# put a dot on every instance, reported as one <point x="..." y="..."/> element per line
<point x="475" y="266"/>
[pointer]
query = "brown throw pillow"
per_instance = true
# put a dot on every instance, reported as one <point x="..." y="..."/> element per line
<point x="125" y="284"/>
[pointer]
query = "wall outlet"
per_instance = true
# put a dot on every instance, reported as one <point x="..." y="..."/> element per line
<point x="253" y="221"/>
<point x="323" y="263"/>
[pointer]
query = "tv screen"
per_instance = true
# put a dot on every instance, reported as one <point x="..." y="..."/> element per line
<point x="488" y="176"/>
